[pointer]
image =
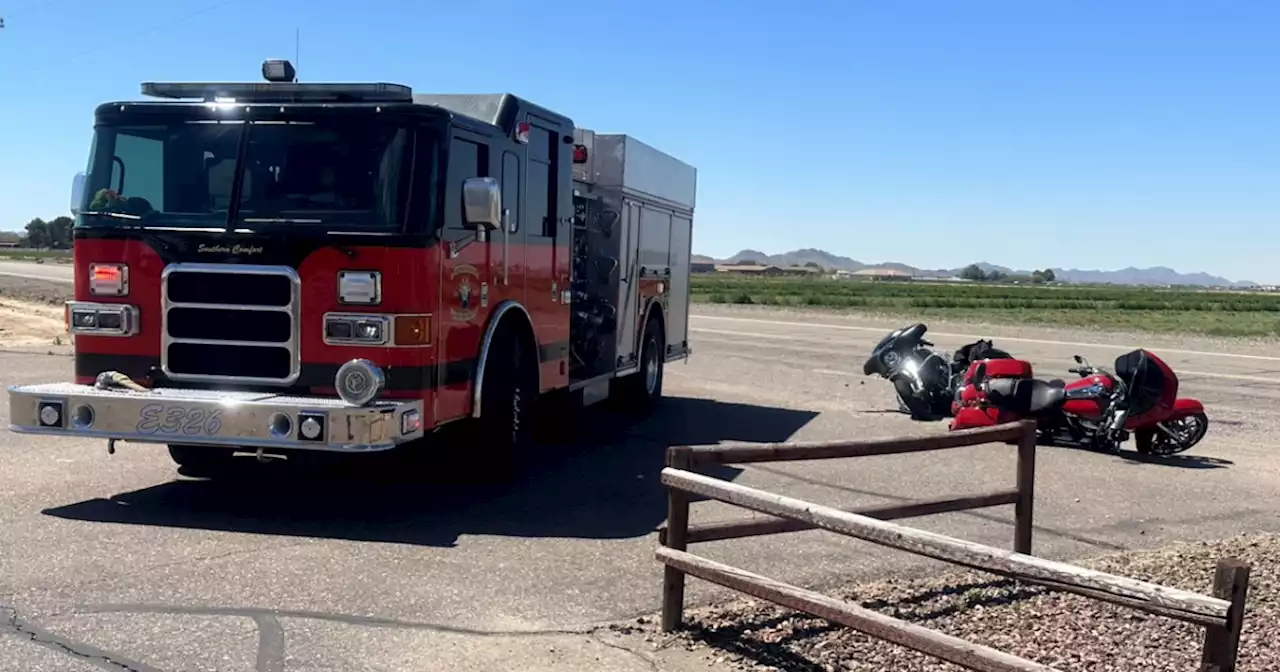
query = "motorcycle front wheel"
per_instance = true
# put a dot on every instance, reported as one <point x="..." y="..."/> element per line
<point x="1186" y="432"/>
<point x="916" y="407"/>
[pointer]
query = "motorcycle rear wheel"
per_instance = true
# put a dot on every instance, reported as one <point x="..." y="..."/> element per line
<point x="1190" y="430"/>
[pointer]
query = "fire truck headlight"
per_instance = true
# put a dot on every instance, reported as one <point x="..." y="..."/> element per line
<point x="353" y="329"/>
<point x="102" y="319"/>
<point x="359" y="382"/>
<point x="362" y="288"/>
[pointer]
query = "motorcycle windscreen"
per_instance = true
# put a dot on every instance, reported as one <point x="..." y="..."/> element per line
<point x="874" y="365"/>
<point x="884" y="342"/>
<point x="1152" y="385"/>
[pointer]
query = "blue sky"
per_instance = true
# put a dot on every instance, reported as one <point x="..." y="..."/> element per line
<point x="1088" y="134"/>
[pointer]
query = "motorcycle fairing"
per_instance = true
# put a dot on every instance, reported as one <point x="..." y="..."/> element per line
<point x="905" y="338"/>
<point x="1152" y="386"/>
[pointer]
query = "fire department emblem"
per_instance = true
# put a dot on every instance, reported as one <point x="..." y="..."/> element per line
<point x="464" y="294"/>
<point x="465" y="280"/>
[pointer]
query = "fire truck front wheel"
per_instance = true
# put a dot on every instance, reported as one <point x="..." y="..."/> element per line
<point x="510" y="390"/>
<point x="200" y="460"/>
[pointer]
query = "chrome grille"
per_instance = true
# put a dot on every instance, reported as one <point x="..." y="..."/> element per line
<point x="230" y="323"/>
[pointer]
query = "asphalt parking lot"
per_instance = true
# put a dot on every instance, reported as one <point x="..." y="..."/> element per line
<point x="117" y="562"/>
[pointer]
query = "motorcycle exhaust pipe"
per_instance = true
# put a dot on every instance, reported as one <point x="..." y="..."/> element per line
<point x="1117" y="422"/>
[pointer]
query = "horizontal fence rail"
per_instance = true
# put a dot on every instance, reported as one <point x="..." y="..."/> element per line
<point x="771" y="525"/>
<point x="932" y="642"/>
<point x="785" y="452"/>
<point x="1181" y="604"/>
<point x="1221" y="614"/>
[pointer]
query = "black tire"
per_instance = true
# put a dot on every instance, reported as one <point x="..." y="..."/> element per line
<point x="916" y="407"/>
<point x="1154" y="442"/>
<point x="642" y="390"/>
<point x="505" y="424"/>
<point x="200" y="460"/>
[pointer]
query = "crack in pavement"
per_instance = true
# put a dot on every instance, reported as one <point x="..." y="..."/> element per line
<point x="270" y="644"/>
<point x="347" y="619"/>
<point x="653" y="664"/>
<point x="90" y="654"/>
<point x="271" y="633"/>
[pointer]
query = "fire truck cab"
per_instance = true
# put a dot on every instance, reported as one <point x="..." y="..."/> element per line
<point x="278" y="267"/>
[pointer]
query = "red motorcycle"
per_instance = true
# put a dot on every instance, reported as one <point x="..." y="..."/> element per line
<point x="1098" y="411"/>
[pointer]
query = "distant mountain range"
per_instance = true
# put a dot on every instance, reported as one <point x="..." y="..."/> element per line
<point x="1156" y="275"/>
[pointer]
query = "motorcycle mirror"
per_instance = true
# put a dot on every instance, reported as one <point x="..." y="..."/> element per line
<point x="1079" y="359"/>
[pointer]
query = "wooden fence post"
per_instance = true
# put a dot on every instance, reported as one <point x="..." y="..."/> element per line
<point x="1023" y="511"/>
<point x="1221" y="643"/>
<point x="676" y="539"/>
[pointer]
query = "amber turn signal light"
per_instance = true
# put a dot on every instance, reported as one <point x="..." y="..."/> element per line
<point x="413" y="330"/>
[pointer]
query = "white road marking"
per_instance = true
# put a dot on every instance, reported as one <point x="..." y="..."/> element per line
<point x="784" y="337"/>
<point x="46" y="278"/>
<point x="833" y="372"/>
<point x="883" y="330"/>
<point x="1228" y="376"/>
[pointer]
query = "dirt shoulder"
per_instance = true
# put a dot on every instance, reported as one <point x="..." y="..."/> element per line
<point x="27" y="324"/>
<point x="34" y="290"/>
<point x="1061" y="630"/>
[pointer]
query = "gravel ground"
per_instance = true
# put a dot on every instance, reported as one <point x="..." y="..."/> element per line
<point x="35" y="290"/>
<point x="1057" y="629"/>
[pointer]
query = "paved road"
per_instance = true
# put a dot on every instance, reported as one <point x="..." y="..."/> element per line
<point x="117" y="558"/>
<point x="50" y="271"/>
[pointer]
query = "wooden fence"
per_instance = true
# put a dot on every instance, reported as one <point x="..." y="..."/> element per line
<point x="1221" y="615"/>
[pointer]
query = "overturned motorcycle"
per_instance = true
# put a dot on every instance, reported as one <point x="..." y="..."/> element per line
<point x="1098" y="411"/>
<point x="926" y="380"/>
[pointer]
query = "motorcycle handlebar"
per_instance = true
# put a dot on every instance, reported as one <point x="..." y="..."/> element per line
<point x="925" y="343"/>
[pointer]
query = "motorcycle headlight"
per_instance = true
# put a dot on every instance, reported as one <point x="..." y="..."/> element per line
<point x="359" y="382"/>
<point x="891" y="358"/>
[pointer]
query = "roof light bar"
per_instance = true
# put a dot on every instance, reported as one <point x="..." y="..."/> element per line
<point x="279" y="92"/>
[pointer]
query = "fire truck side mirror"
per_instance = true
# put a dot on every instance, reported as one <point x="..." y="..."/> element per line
<point x="482" y="203"/>
<point x="77" y="193"/>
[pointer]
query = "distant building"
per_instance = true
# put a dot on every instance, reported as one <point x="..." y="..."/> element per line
<point x="766" y="271"/>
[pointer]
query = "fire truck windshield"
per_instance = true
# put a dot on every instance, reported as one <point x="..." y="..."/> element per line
<point x="334" y="172"/>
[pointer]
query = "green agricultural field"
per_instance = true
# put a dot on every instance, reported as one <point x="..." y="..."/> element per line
<point x="17" y="254"/>
<point x="1217" y="313"/>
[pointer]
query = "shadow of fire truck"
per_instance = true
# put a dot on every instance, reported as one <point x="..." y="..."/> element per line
<point x="604" y="485"/>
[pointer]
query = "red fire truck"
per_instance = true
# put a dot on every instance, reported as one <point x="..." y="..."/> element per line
<point x="278" y="266"/>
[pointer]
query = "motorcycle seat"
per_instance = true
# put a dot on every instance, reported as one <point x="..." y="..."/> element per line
<point x="1026" y="396"/>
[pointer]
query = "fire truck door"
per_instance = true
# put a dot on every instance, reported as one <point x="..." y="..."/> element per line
<point x="466" y="280"/>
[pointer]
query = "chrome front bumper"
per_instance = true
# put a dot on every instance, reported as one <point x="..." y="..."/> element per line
<point x="216" y="418"/>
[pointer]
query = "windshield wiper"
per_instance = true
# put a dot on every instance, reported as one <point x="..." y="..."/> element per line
<point x="115" y="215"/>
<point x="237" y="180"/>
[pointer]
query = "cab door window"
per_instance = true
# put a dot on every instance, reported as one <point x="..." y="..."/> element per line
<point x="466" y="159"/>
<point x="542" y="193"/>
